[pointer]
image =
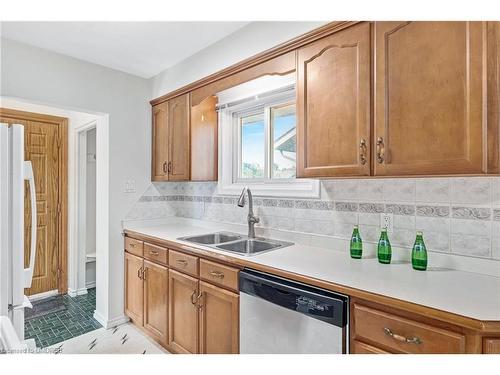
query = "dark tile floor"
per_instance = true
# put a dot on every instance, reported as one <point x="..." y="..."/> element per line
<point x="75" y="320"/>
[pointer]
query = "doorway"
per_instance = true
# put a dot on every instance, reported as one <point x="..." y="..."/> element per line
<point x="46" y="146"/>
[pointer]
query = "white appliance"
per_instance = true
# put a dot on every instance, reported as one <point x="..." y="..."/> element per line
<point x="279" y="316"/>
<point x="13" y="276"/>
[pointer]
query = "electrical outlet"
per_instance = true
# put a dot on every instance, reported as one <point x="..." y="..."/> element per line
<point x="386" y="221"/>
<point x="129" y="186"/>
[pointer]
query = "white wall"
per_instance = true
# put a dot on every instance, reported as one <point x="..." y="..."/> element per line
<point x="52" y="79"/>
<point x="254" y="38"/>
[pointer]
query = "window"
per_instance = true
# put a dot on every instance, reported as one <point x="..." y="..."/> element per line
<point x="257" y="140"/>
<point x="266" y="142"/>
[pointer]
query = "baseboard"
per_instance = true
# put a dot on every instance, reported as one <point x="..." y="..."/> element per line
<point x="77" y="292"/>
<point x="90" y="285"/>
<point x="38" y="296"/>
<point x="112" y="322"/>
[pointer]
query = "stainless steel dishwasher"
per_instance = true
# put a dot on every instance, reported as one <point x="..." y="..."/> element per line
<point x="279" y="316"/>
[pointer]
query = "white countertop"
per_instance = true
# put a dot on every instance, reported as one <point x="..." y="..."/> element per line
<point x="463" y="293"/>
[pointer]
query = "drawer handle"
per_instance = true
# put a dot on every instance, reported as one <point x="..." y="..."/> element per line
<point x="154" y="252"/>
<point x="182" y="262"/>
<point x="395" y="336"/>
<point x="217" y="274"/>
<point x="132" y="245"/>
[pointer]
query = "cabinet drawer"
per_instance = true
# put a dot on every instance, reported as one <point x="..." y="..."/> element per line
<point x="134" y="246"/>
<point x="155" y="253"/>
<point x="219" y="274"/>
<point x="183" y="262"/>
<point x="404" y="335"/>
<point x="359" y="347"/>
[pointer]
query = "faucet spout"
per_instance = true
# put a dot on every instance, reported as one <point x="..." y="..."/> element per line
<point x="251" y="218"/>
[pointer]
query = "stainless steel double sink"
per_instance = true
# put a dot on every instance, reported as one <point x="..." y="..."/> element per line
<point x="236" y="243"/>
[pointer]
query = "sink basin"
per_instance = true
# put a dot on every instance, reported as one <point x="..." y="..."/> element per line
<point x="212" y="238"/>
<point x="250" y="246"/>
<point x="236" y="243"/>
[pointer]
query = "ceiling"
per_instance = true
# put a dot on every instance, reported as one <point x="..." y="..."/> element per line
<point x="140" y="48"/>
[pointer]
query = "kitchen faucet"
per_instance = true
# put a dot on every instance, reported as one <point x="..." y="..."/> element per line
<point x="251" y="218"/>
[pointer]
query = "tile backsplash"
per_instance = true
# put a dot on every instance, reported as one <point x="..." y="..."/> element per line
<point x="459" y="216"/>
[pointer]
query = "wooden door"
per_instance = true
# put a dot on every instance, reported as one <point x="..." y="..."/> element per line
<point x="429" y="98"/>
<point x="204" y="140"/>
<point x="160" y="144"/>
<point x="45" y="145"/>
<point x="134" y="288"/>
<point x="333" y="105"/>
<point x="155" y="300"/>
<point x="219" y="320"/>
<point x="182" y="313"/>
<point x="178" y="116"/>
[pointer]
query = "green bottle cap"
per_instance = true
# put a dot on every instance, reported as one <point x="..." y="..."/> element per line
<point x="420" y="233"/>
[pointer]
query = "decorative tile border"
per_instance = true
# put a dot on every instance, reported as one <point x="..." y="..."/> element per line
<point x="376" y="208"/>
<point x="346" y="206"/>
<point x="433" y="211"/>
<point x="400" y="209"/>
<point x="496" y="214"/>
<point x="471" y="213"/>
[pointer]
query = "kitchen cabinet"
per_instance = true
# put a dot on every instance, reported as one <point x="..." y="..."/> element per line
<point x="333" y="105"/>
<point x="155" y="292"/>
<point x="170" y="150"/>
<point x="183" y="312"/>
<point x="429" y="102"/>
<point x="204" y="140"/>
<point x="134" y="292"/>
<point x="491" y="345"/>
<point x="219" y="320"/>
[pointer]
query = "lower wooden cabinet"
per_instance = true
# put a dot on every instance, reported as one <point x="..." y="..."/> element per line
<point x="134" y="292"/>
<point x="182" y="313"/>
<point x="219" y="320"/>
<point x="359" y="347"/>
<point x="155" y="300"/>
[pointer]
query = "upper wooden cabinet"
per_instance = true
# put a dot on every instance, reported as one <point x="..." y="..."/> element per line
<point x="333" y="105"/>
<point x="204" y="140"/>
<point x="429" y="98"/>
<point x="170" y="152"/>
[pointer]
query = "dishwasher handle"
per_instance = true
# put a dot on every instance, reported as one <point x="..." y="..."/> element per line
<point x="313" y="302"/>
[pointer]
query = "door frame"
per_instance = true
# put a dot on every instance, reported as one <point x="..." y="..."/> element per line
<point x="62" y="227"/>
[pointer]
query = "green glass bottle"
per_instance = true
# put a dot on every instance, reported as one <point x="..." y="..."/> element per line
<point x="419" y="253"/>
<point x="384" y="251"/>
<point x="356" y="244"/>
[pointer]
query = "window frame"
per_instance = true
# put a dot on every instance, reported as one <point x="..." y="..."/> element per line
<point x="230" y="152"/>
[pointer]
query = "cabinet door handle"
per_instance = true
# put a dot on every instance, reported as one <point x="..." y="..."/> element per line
<point x="217" y="274"/>
<point x="165" y="168"/>
<point x="140" y="273"/>
<point x="144" y="273"/>
<point x="194" y="297"/>
<point x="199" y="305"/>
<point x="362" y="151"/>
<point x="380" y="150"/>
<point x="154" y="252"/>
<point x="182" y="262"/>
<point x="169" y="167"/>
<point x="395" y="336"/>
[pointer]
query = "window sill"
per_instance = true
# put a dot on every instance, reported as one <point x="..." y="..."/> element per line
<point x="289" y="189"/>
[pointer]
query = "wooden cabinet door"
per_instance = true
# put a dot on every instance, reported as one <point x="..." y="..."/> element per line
<point x="155" y="300"/>
<point x="204" y="140"/>
<point x="178" y="116"/>
<point x="429" y="98"/>
<point x="160" y="143"/>
<point x="134" y="293"/>
<point x="491" y="345"/>
<point x="359" y="347"/>
<point x="182" y="313"/>
<point x="333" y="105"/>
<point x="219" y="320"/>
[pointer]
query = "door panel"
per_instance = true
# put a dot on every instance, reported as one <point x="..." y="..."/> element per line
<point x="160" y="143"/>
<point x="182" y="313"/>
<point x="429" y="97"/>
<point x="134" y="291"/>
<point x="219" y="320"/>
<point x="333" y="105"/>
<point x="179" y="138"/>
<point x="155" y="300"/>
<point x="204" y="140"/>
